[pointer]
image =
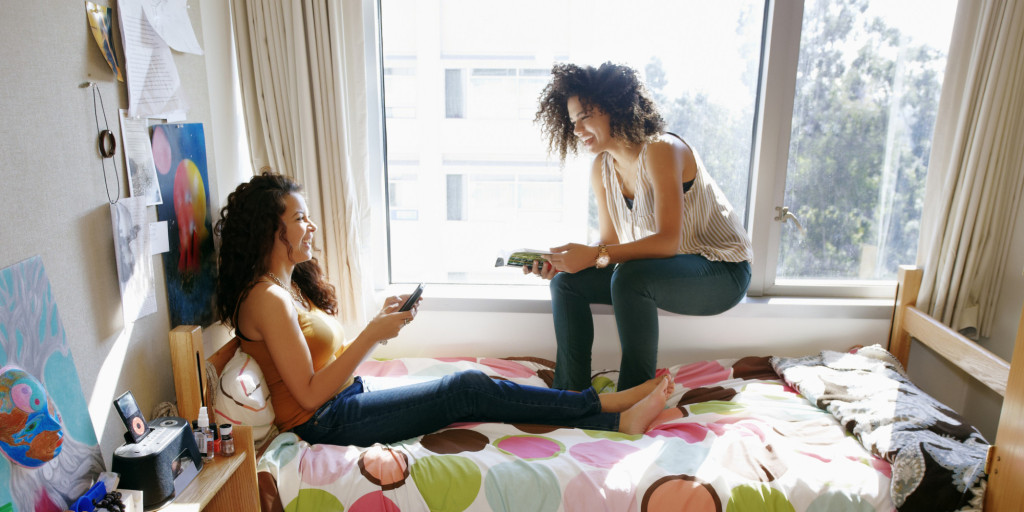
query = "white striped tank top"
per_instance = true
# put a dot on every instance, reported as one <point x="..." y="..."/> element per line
<point x="711" y="227"/>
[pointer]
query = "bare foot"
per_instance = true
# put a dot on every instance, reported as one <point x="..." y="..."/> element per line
<point x="636" y="419"/>
<point x="619" y="401"/>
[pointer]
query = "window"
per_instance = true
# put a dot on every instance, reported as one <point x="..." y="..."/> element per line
<point x="834" y="129"/>
<point x="867" y="90"/>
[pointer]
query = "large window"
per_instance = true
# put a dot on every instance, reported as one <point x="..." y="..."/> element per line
<point x="842" y="145"/>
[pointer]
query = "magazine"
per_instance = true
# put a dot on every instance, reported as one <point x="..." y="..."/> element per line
<point x="520" y="257"/>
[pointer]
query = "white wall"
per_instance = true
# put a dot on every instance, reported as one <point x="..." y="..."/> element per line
<point x="54" y="202"/>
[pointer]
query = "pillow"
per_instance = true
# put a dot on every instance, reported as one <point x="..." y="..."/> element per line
<point x="938" y="459"/>
<point x="242" y="397"/>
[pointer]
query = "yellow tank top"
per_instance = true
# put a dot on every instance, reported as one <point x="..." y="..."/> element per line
<point x="324" y="336"/>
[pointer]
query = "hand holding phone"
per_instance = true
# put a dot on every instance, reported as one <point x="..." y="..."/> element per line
<point x="411" y="301"/>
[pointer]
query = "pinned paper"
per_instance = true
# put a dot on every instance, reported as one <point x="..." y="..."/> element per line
<point x="158" y="242"/>
<point x="134" y="261"/>
<point x="154" y="87"/>
<point x="169" y="18"/>
<point x="139" y="154"/>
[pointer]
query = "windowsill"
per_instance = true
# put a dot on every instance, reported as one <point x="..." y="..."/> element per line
<point x="536" y="299"/>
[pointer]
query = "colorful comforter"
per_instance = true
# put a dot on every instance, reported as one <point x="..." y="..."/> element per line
<point x="734" y="437"/>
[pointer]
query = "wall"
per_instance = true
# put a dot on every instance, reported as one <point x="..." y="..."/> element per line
<point x="54" y="203"/>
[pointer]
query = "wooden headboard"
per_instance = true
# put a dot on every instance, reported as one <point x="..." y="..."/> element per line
<point x="187" y="364"/>
<point x="1005" y="465"/>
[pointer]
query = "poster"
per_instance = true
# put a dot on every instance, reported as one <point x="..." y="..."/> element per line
<point x="139" y="155"/>
<point x="134" y="260"/>
<point x="101" y="23"/>
<point x="50" y="455"/>
<point x="179" y="153"/>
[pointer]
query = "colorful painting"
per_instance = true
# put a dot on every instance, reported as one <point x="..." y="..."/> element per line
<point x="179" y="152"/>
<point x="50" y="452"/>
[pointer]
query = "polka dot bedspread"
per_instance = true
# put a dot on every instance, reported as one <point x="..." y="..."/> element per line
<point x="734" y="437"/>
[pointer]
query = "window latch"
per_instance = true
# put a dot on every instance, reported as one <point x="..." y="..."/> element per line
<point x="784" y="214"/>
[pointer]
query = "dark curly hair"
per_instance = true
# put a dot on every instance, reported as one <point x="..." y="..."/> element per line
<point x="615" y="89"/>
<point x="247" y="226"/>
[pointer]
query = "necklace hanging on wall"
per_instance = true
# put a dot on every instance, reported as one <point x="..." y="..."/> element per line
<point x="106" y="143"/>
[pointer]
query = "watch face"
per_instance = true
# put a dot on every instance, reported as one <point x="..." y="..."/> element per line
<point x="602" y="258"/>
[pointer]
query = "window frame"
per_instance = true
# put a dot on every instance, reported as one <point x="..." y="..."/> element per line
<point x="780" y="53"/>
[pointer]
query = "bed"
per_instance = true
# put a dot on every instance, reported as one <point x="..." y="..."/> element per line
<point x="824" y="432"/>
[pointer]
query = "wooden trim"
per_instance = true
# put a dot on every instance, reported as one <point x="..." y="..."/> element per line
<point x="225" y="484"/>
<point x="241" y="492"/>
<point x="1005" y="489"/>
<point x="986" y="367"/>
<point x="187" y="365"/>
<point x="906" y="295"/>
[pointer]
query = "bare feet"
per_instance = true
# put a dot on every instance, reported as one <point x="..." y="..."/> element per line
<point x="619" y="401"/>
<point x="636" y="419"/>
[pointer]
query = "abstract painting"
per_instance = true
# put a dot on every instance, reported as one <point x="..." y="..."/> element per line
<point x="50" y="452"/>
<point x="179" y="152"/>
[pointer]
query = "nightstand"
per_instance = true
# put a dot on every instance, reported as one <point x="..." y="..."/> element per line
<point x="225" y="484"/>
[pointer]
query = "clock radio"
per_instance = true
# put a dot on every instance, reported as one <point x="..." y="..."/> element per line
<point x="160" y="465"/>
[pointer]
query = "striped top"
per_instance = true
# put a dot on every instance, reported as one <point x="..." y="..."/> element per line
<point x="711" y="227"/>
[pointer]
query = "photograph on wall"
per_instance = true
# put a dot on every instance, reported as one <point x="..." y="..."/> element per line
<point x="50" y="452"/>
<point x="179" y="153"/>
<point x="138" y="153"/>
<point x="134" y="260"/>
<point x="102" y="25"/>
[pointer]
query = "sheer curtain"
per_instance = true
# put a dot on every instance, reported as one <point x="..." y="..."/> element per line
<point x="304" y="94"/>
<point x="976" y="167"/>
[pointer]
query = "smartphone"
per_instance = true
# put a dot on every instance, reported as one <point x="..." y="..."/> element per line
<point x="411" y="301"/>
<point x="132" y="417"/>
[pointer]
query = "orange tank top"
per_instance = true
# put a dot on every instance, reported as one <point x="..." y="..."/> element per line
<point x="324" y="336"/>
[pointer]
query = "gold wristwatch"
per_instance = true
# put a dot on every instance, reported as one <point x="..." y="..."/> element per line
<point x="603" y="259"/>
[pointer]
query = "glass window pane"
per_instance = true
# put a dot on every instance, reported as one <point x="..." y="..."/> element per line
<point x="867" y="90"/>
<point x="467" y="110"/>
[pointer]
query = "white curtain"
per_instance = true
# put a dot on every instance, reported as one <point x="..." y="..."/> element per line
<point x="976" y="167"/>
<point x="304" y="94"/>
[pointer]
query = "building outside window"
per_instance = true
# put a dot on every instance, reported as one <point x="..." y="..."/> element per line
<point x="468" y="175"/>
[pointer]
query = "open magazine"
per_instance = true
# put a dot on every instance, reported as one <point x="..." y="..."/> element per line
<point x="520" y="257"/>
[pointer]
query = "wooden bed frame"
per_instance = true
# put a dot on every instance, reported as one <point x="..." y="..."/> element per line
<point x="1005" y="465"/>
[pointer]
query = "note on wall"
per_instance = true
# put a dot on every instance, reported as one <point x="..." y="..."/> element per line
<point x="154" y="88"/>
<point x="134" y="258"/>
<point x="169" y="18"/>
<point x="139" y="155"/>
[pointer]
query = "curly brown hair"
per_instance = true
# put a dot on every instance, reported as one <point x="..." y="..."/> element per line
<point x="247" y="226"/>
<point x="614" y="88"/>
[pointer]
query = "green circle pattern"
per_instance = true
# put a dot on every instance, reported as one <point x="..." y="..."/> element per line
<point x="747" y="498"/>
<point x="314" y="500"/>
<point x="448" y="483"/>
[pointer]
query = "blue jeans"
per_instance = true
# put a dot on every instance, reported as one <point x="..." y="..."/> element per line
<point x="362" y="418"/>
<point x="687" y="284"/>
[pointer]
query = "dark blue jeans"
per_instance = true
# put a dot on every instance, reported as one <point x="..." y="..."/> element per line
<point x="355" y="417"/>
<point x="687" y="284"/>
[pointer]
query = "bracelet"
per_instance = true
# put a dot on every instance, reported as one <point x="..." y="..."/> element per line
<point x="384" y="341"/>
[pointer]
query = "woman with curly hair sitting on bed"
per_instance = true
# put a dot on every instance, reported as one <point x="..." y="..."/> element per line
<point x="272" y="291"/>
